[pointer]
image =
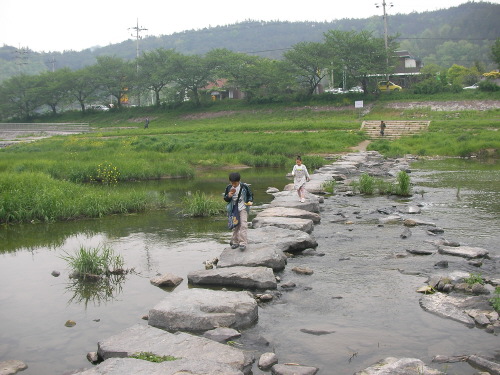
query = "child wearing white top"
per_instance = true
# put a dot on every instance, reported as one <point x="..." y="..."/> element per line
<point x="300" y="177"/>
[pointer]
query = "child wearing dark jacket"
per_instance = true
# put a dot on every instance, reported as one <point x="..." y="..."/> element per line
<point x="239" y="193"/>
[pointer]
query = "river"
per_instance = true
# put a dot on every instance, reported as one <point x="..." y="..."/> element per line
<point x="362" y="290"/>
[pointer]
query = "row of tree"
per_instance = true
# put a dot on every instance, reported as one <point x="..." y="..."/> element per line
<point x="171" y="76"/>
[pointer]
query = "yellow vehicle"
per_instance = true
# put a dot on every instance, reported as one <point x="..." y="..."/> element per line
<point x="388" y="86"/>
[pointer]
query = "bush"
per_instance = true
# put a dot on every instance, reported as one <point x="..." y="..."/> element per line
<point x="428" y="86"/>
<point x="488" y="86"/>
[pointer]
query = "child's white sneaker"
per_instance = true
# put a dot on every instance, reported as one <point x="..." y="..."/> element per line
<point x="302" y="200"/>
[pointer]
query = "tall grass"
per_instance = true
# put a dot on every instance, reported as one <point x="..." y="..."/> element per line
<point x="91" y="262"/>
<point x="32" y="196"/>
<point x="199" y="205"/>
<point x="403" y="185"/>
<point x="368" y="185"/>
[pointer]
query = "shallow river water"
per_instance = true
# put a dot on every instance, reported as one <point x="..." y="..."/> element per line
<point x="362" y="289"/>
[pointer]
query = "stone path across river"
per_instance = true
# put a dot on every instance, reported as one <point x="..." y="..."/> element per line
<point x="286" y="225"/>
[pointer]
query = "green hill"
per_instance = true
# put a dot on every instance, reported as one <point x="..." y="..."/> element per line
<point x="459" y="35"/>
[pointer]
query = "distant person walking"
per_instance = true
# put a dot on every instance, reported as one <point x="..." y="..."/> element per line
<point x="146" y="124"/>
<point x="300" y="177"/>
<point x="382" y="128"/>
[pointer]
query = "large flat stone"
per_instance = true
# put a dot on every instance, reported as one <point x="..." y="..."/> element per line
<point x="255" y="255"/>
<point x="305" y="225"/>
<point x="131" y="366"/>
<point x="284" y="239"/>
<point x="464" y="251"/>
<point x="290" y="212"/>
<point x="198" y="310"/>
<point x="399" y="366"/>
<point x="240" y="277"/>
<point x="450" y="307"/>
<point x="143" y="338"/>
<point x="293" y="369"/>
<point x="290" y="199"/>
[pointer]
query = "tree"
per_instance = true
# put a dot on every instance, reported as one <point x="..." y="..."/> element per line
<point x="53" y="88"/>
<point x="460" y="75"/>
<point x="116" y="77"/>
<point x="495" y="52"/>
<point x="156" y="70"/>
<point x="194" y="72"/>
<point x="84" y="85"/>
<point x="360" y="54"/>
<point x="308" y="61"/>
<point x="18" y="97"/>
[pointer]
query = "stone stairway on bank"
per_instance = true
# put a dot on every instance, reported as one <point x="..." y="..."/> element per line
<point x="394" y="129"/>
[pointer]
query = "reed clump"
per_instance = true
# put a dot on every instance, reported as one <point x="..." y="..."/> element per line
<point x="199" y="204"/>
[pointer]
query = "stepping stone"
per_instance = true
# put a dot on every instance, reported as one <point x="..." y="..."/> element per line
<point x="132" y="366"/>
<point x="240" y="277"/>
<point x="391" y="365"/>
<point x="289" y="212"/>
<point x="290" y="199"/>
<point x="255" y="255"/>
<point x="305" y="225"/>
<point x="284" y="239"/>
<point x="451" y="307"/>
<point x="143" y="338"/>
<point x="464" y="251"/>
<point x="198" y="310"/>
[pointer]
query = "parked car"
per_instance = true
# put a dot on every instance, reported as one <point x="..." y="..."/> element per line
<point x="388" y="86"/>
<point x="335" y="90"/>
<point x="98" y="107"/>
<point x="356" y="89"/>
<point x="473" y="87"/>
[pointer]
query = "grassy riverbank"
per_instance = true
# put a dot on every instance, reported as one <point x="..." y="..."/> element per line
<point x="61" y="177"/>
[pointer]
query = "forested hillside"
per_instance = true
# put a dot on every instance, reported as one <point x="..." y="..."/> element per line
<point x="460" y="35"/>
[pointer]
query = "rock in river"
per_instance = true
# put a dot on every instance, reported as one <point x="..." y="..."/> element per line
<point x="240" y="277"/>
<point x="197" y="310"/>
<point x="142" y="338"/>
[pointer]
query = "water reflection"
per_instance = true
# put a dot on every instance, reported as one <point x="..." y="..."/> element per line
<point x="97" y="292"/>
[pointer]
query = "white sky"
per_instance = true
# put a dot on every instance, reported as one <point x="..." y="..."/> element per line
<point x="58" y="25"/>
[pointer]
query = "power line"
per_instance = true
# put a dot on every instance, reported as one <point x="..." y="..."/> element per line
<point x="445" y="39"/>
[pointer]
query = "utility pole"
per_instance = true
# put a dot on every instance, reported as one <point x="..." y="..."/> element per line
<point x="53" y="62"/>
<point x="21" y="57"/>
<point x="390" y="5"/>
<point x="137" y="37"/>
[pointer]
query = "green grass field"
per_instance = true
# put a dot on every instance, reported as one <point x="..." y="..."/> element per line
<point x="230" y="133"/>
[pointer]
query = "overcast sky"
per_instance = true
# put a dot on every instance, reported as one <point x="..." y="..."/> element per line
<point x="58" y="25"/>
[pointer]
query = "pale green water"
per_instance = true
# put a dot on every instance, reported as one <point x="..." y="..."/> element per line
<point x="377" y="316"/>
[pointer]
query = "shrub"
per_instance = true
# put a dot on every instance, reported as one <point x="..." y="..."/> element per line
<point x="488" y="86"/>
